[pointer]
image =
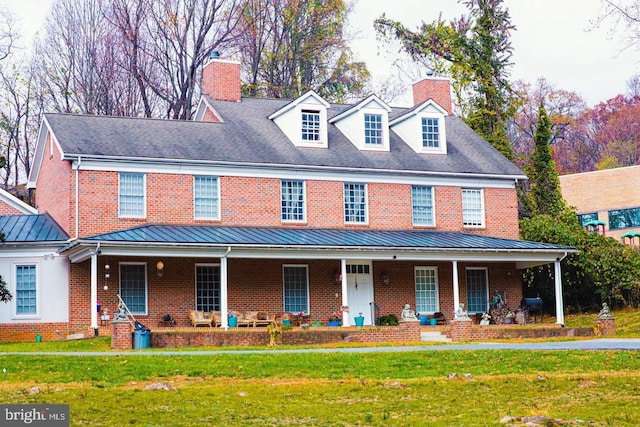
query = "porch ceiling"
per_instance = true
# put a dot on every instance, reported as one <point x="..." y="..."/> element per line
<point x="248" y="242"/>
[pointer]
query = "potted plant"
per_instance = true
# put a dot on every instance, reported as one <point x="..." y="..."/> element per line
<point x="485" y="319"/>
<point x="335" y="319"/>
<point x="508" y="317"/>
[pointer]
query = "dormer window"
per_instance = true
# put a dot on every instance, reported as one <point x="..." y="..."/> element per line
<point x="373" y="129"/>
<point x="430" y="132"/>
<point x="310" y="125"/>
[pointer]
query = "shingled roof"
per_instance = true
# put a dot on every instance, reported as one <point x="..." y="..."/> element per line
<point x="248" y="137"/>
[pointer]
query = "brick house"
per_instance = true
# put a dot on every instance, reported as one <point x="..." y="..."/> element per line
<point x="611" y="197"/>
<point x="283" y="206"/>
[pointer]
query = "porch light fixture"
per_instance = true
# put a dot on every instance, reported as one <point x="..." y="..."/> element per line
<point x="160" y="268"/>
<point x="107" y="268"/>
<point x="385" y="278"/>
<point x="337" y="277"/>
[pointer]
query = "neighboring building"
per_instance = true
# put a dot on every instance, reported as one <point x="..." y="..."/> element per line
<point x="610" y="196"/>
<point x="282" y="205"/>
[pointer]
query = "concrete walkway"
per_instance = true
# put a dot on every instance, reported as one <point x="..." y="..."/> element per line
<point x="632" y="344"/>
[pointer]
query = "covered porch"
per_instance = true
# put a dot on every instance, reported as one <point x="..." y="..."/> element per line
<point x="163" y="269"/>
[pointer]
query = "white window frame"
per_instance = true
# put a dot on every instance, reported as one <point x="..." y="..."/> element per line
<point x="419" y="309"/>
<point x="308" y="130"/>
<point x="195" y="284"/>
<point x="424" y="132"/>
<point x="146" y="285"/>
<point x="284" y="291"/>
<point x="466" y="221"/>
<point x="304" y="201"/>
<point x="380" y="131"/>
<point x="486" y="290"/>
<point x="442" y="133"/>
<point x="144" y="195"/>
<point x="366" y="203"/>
<point x="433" y="206"/>
<point x="216" y="213"/>
<point x="17" y="315"/>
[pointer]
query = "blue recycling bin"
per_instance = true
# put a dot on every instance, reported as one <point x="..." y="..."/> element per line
<point x="424" y="320"/>
<point x="141" y="336"/>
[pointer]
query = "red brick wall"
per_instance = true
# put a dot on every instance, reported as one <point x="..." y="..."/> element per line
<point x="5" y="209"/>
<point x="256" y="202"/>
<point x="26" y="332"/>
<point x="438" y="89"/>
<point x="55" y="188"/>
<point x="221" y="80"/>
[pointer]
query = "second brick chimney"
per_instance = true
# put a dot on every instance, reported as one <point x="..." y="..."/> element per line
<point x="221" y="80"/>
<point x="435" y="88"/>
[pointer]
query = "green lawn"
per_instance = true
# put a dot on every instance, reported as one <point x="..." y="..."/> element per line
<point x="422" y="388"/>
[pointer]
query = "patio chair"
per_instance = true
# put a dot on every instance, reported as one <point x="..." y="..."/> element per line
<point x="198" y="318"/>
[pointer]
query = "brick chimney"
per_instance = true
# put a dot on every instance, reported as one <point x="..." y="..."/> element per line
<point x="221" y="79"/>
<point x="435" y="88"/>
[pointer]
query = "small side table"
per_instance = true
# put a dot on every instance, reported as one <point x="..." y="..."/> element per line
<point x="104" y="319"/>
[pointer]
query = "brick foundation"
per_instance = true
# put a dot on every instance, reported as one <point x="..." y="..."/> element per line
<point x="121" y="335"/>
<point x="461" y="330"/>
<point x="26" y="332"/>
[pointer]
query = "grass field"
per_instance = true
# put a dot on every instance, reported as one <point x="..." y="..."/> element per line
<point x="425" y="388"/>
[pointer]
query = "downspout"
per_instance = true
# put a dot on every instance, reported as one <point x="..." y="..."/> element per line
<point x="77" y="221"/>
<point x="224" y="303"/>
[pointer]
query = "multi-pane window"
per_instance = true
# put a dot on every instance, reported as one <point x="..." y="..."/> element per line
<point x="373" y="129"/>
<point x="624" y="218"/>
<point x="426" y="289"/>
<point x="208" y="288"/>
<point x="477" y="293"/>
<point x="422" y="205"/>
<point x="355" y="203"/>
<point x="131" y="195"/>
<point x="296" y="289"/>
<point x="26" y="290"/>
<point x="472" y="208"/>
<point x="205" y="193"/>
<point x="310" y="125"/>
<point x="133" y="287"/>
<point x="585" y="218"/>
<point x="430" y="133"/>
<point x="292" y="200"/>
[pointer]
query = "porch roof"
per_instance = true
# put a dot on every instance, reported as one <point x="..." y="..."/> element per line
<point x="31" y="229"/>
<point x="217" y="241"/>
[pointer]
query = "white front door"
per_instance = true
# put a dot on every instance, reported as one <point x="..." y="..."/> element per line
<point x="360" y="292"/>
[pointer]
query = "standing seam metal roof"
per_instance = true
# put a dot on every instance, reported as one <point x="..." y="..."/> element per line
<point x="31" y="228"/>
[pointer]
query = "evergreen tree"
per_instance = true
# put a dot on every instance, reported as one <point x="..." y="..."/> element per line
<point x="475" y="51"/>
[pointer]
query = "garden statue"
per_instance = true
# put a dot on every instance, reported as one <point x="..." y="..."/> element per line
<point x="461" y="313"/>
<point x="408" y="314"/>
<point x="605" y="313"/>
<point x="499" y="299"/>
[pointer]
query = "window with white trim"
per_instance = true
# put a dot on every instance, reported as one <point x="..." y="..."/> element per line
<point x="430" y="132"/>
<point x="296" y="288"/>
<point x="427" y="289"/>
<point x="131" y="195"/>
<point x="310" y="125"/>
<point x="477" y="290"/>
<point x="292" y="200"/>
<point x="422" y="205"/>
<point x="207" y="287"/>
<point x="472" y="207"/>
<point x="133" y="286"/>
<point x="373" y="129"/>
<point x="26" y="290"/>
<point x="355" y="203"/>
<point x="205" y="197"/>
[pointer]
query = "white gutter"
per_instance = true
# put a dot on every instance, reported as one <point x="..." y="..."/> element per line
<point x="77" y="221"/>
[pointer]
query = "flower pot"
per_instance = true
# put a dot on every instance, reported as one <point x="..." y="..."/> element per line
<point x="424" y="320"/>
<point x="359" y="320"/>
<point x="507" y="320"/>
<point x="286" y="322"/>
<point x="334" y="323"/>
<point x="233" y="322"/>
<point x="484" y="322"/>
<point x="433" y="321"/>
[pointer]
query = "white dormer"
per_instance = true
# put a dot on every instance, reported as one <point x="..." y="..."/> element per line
<point x="366" y="124"/>
<point x="423" y="128"/>
<point x="304" y="120"/>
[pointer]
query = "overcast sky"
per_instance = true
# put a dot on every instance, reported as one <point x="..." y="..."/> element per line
<point x="551" y="40"/>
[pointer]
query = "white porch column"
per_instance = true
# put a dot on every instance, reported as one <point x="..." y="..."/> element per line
<point x="224" y="303"/>
<point x="456" y="288"/>
<point x="559" y="299"/>
<point x="94" y="291"/>
<point x="345" y="288"/>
